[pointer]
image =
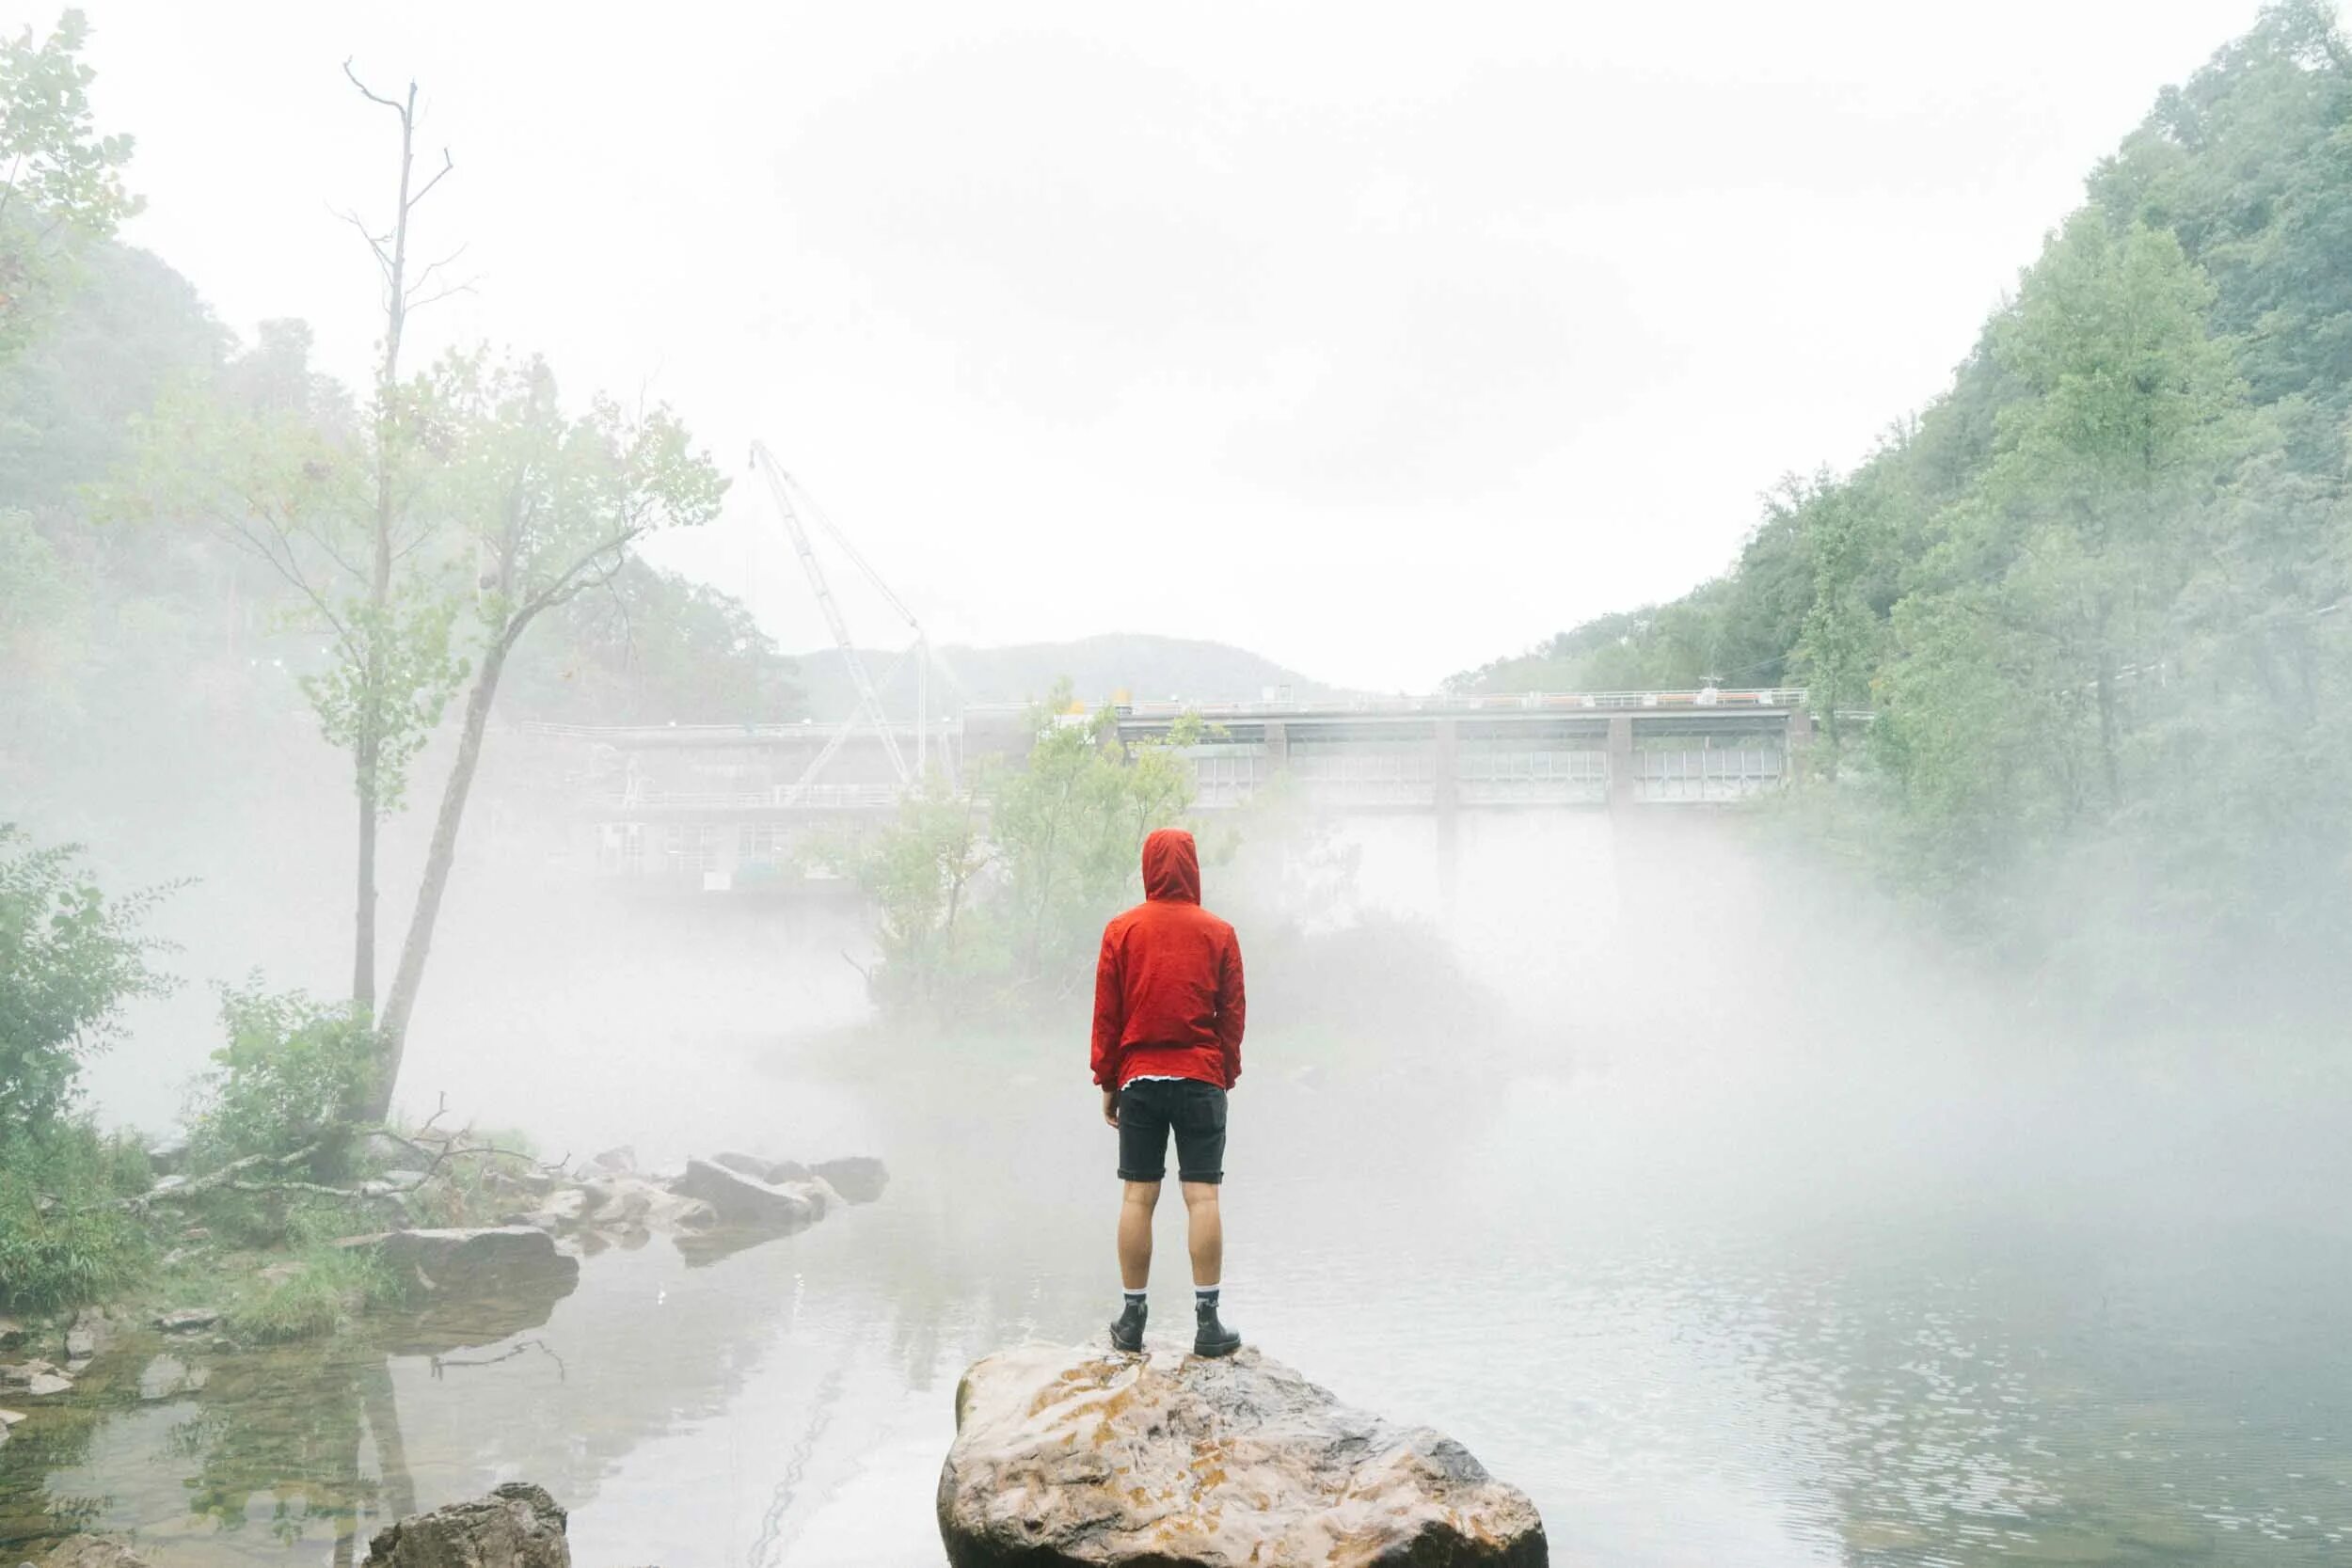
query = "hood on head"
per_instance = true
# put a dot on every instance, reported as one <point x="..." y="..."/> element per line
<point x="1171" y="866"/>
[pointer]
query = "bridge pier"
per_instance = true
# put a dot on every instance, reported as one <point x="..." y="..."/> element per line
<point x="1446" y="800"/>
<point x="1278" y="748"/>
<point x="1620" y="761"/>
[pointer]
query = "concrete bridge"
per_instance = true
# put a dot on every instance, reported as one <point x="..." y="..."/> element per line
<point x="732" y="805"/>
<point x="1517" y="752"/>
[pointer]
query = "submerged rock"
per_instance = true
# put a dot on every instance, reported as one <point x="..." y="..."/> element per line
<point x="1076" y="1456"/>
<point x="516" y="1525"/>
<point x="512" y="1259"/>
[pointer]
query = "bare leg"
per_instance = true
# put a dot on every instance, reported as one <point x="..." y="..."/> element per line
<point x="1204" y="1229"/>
<point x="1135" y="1232"/>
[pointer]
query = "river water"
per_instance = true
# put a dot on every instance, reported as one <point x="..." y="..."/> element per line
<point x="1731" y="1237"/>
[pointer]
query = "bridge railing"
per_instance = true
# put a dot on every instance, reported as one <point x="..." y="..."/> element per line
<point x="1484" y="702"/>
<point x="781" y="797"/>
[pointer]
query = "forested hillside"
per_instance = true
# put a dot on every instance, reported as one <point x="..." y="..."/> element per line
<point x="2093" y="593"/>
<point x="116" y="617"/>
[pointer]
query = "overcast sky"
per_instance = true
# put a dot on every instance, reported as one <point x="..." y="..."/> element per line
<point x="1380" y="340"/>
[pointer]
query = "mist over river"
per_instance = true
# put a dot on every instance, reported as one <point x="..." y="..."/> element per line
<point x="1725" y="1223"/>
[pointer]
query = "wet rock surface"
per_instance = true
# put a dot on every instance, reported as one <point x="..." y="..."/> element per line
<point x="498" y="1259"/>
<point x="187" y="1319"/>
<point x="1078" y="1456"/>
<point x="516" y="1525"/>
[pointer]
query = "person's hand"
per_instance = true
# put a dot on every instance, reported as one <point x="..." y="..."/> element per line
<point x="1110" y="1106"/>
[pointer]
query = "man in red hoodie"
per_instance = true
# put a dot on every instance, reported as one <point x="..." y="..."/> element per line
<point x="1168" y="1020"/>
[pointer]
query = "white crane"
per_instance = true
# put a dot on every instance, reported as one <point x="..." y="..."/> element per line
<point x="784" y="489"/>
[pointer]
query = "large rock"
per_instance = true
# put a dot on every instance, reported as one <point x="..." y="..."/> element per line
<point x="500" y="1259"/>
<point x="743" y="1199"/>
<point x="1075" y="1456"/>
<point x="516" y="1525"/>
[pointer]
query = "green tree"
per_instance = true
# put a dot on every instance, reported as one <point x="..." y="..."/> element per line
<point x="548" y="504"/>
<point x="62" y="185"/>
<point x="70" y="957"/>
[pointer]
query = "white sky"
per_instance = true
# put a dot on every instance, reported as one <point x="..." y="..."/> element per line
<point x="1380" y="340"/>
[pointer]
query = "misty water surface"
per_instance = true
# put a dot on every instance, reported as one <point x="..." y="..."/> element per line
<point x="1727" y="1225"/>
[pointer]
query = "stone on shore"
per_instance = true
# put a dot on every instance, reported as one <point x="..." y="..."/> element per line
<point x="743" y="1199"/>
<point x="500" y="1258"/>
<point x="92" y="1551"/>
<point x="516" y="1525"/>
<point x="187" y="1319"/>
<point x="1082" y="1457"/>
<point x="35" y="1379"/>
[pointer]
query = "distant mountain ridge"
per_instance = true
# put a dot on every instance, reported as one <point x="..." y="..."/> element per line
<point x="1100" y="669"/>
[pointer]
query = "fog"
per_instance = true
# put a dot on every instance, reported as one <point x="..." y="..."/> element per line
<point x="1823" y="1046"/>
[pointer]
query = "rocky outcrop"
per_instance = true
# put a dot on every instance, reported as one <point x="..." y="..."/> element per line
<point x="1075" y="1456"/>
<point x="516" y="1525"/>
<point x="510" y="1260"/>
<point x="742" y="1199"/>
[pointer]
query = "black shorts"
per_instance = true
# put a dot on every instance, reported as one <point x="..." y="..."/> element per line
<point x="1151" y="1108"/>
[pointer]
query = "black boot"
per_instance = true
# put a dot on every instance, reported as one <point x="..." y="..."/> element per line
<point x="1127" y="1332"/>
<point x="1212" y="1338"/>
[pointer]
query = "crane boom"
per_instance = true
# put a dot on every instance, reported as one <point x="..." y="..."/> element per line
<point x="870" y="702"/>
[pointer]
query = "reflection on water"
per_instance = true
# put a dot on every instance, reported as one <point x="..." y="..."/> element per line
<point x="1733" y="1266"/>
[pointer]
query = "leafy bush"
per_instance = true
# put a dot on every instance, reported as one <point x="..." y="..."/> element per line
<point x="317" y="1293"/>
<point x="61" y="1241"/>
<point x="70" y="957"/>
<point x="291" y="1069"/>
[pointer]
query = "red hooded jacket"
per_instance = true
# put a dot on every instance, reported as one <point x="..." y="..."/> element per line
<point x="1168" y="998"/>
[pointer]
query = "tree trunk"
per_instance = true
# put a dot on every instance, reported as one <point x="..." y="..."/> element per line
<point x="363" y="919"/>
<point x="401" y="1002"/>
<point x="368" y="755"/>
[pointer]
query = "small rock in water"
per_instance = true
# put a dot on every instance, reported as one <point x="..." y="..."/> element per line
<point x="1079" y="1457"/>
<point x="10" y="1418"/>
<point x="516" y="1525"/>
<point x="12" y="1333"/>
<point x="168" y="1377"/>
<point x="187" y="1319"/>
